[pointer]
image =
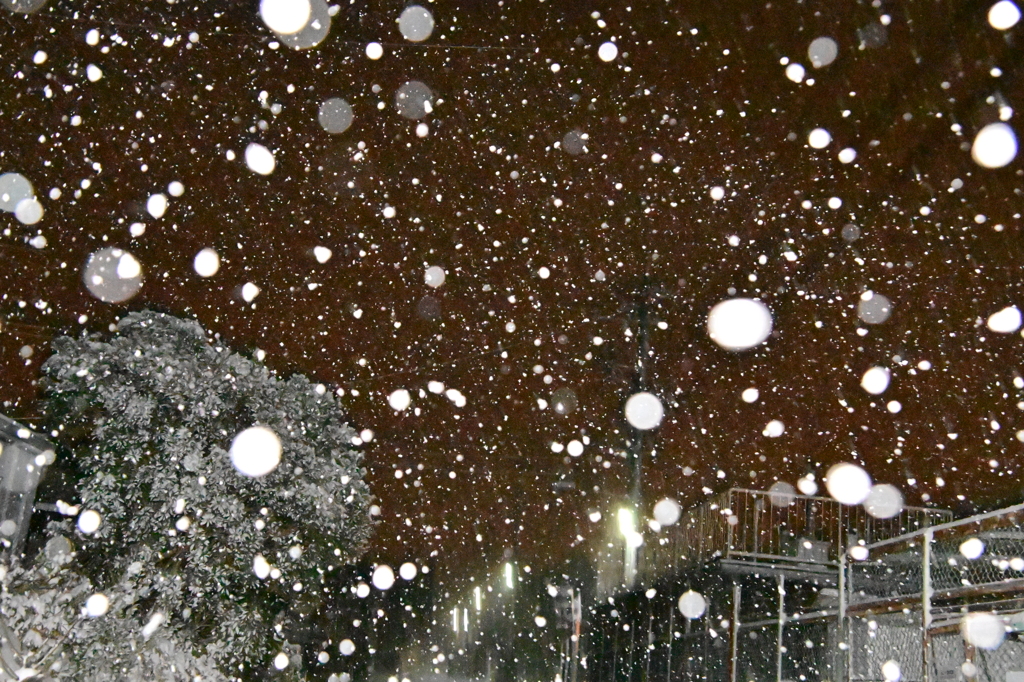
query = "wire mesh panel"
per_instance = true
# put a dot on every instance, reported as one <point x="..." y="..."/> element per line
<point x="877" y="640"/>
<point x="756" y="651"/>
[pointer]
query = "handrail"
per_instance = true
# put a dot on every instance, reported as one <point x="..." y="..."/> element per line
<point x="949" y="525"/>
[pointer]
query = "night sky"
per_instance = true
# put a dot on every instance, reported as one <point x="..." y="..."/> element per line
<point x="569" y="201"/>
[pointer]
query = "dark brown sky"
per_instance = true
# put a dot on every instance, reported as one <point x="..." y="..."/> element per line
<point x="490" y="195"/>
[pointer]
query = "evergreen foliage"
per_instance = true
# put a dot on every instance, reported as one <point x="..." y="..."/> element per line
<point x="147" y="419"/>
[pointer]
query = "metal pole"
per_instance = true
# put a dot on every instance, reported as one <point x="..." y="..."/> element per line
<point x="671" y="640"/>
<point x="841" y="631"/>
<point x="926" y="604"/>
<point x="782" y="625"/>
<point x="736" y="596"/>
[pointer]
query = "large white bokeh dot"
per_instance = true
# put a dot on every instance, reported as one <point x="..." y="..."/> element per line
<point x="884" y="501"/>
<point x="607" y="52"/>
<point x="666" y="511"/>
<point x="259" y="159"/>
<point x="848" y="483"/>
<point x="644" y="411"/>
<point x="256" y="451"/>
<point x="983" y="630"/>
<point x="399" y="400"/>
<point x="286" y="16"/>
<point x="89" y="521"/>
<point x="1006" y="321"/>
<point x="692" y="604"/>
<point x="383" y="577"/>
<point x="407" y="571"/>
<point x="97" y="605"/>
<point x="739" y="323"/>
<point x="994" y="146"/>
<point x="1003" y="15"/>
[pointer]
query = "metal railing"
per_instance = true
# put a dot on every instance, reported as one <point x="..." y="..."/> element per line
<point x="772" y="527"/>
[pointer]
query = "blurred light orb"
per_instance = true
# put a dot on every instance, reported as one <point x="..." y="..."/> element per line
<point x="89" y="521"/>
<point x="281" y="661"/>
<point x="335" y="115"/>
<point x="362" y="590"/>
<point x="416" y="23"/>
<point x="875" y="380"/>
<point x="322" y="254"/>
<point x="285" y="17"/>
<point x="994" y="146"/>
<point x="434" y="276"/>
<point x="260" y="567"/>
<point x="644" y="411"/>
<point x="346" y="647"/>
<point x="314" y="32"/>
<point x="822" y="51"/>
<point x="781" y="494"/>
<point x="28" y="211"/>
<point x="692" y="604"/>
<point x="667" y="511"/>
<point x="1003" y="15"/>
<point x="407" y="571"/>
<point x="969" y="669"/>
<point x="891" y="671"/>
<point x="774" y="429"/>
<point x="97" y="605"/>
<point x="807" y="485"/>
<point x="739" y="323"/>
<point x="383" y="577"/>
<point x="13" y="188"/>
<point x="564" y="400"/>
<point x="414" y="100"/>
<point x="574" y="448"/>
<point x="884" y="501"/>
<point x="972" y="548"/>
<point x="983" y="630"/>
<point x="796" y="72"/>
<point x="819" y="138"/>
<point x="1006" y="321"/>
<point x="112" y="275"/>
<point x="255" y="451"/>
<point x="873" y="308"/>
<point x="156" y="205"/>
<point x="23" y="6"/>
<point x="374" y="50"/>
<point x="750" y="395"/>
<point x="249" y="292"/>
<point x="607" y="52"/>
<point x="259" y="159"/>
<point x="848" y="483"/>
<point x="859" y="553"/>
<point x="206" y="263"/>
<point x="400" y="400"/>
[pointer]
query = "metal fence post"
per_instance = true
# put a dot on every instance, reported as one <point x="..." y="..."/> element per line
<point x="782" y="625"/>
<point x="737" y="593"/>
<point x="926" y="604"/>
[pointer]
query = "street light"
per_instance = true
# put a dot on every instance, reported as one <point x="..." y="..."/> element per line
<point x="627" y="526"/>
<point x="24" y="455"/>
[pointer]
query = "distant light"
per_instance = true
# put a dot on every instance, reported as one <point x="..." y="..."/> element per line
<point x="1003" y="15"/>
<point x="286" y="17"/>
<point x="259" y="159"/>
<point x="206" y="263"/>
<point x="994" y="146"/>
<point x="416" y="23"/>
<point x="644" y="411"/>
<point x="1006" y="321"/>
<point x="509" y="575"/>
<point x="848" y="483"/>
<point x="739" y="323"/>
<point x="607" y="52"/>
<point x="255" y="451"/>
<point x="627" y="522"/>
<point x="819" y="138"/>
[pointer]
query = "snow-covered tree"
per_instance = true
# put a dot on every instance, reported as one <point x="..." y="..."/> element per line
<point x="147" y="421"/>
